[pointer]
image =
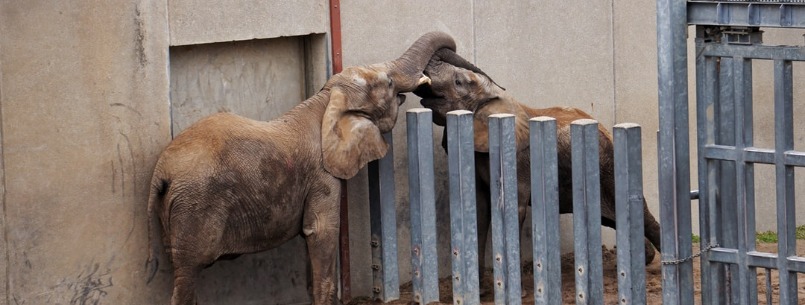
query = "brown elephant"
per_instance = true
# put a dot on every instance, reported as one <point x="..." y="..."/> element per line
<point x="457" y="84"/>
<point x="229" y="185"/>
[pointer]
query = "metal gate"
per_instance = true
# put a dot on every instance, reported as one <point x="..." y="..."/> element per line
<point x="728" y="39"/>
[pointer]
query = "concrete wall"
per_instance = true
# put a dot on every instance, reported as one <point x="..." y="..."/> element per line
<point x="90" y="93"/>
<point x="86" y="108"/>
<point x="85" y="113"/>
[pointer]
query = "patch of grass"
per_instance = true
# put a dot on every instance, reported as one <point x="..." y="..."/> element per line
<point x="800" y="233"/>
<point x="767" y="237"/>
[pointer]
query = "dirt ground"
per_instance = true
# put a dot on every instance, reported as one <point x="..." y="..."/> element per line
<point x="653" y="281"/>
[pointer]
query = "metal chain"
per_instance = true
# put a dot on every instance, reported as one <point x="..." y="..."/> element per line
<point x="680" y="261"/>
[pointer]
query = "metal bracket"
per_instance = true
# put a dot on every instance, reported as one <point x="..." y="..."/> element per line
<point x="741" y="35"/>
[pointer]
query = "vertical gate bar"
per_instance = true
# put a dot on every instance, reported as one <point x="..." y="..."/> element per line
<point x="545" y="212"/>
<point x="463" y="228"/>
<point x="715" y="231"/>
<point x="783" y="141"/>
<point x="383" y="211"/>
<point x="673" y="153"/>
<point x="706" y="80"/>
<point x="505" y="208"/>
<point x="727" y="178"/>
<point x="586" y="211"/>
<point x="629" y="211"/>
<point x="423" y="207"/>
<point x="741" y="281"/>
<point x="768" y="287"/>
<point x="749" y="173"/>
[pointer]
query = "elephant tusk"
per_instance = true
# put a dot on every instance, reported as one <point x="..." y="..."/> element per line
<point x="423" y="80"/>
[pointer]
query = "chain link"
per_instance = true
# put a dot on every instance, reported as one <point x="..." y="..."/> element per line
<point x="680" y="261"/>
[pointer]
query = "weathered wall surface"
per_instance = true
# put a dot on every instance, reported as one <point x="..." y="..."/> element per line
<point x="86" y="110"/>
<point x="85" y="113"/>
<point x="206" y="21"/>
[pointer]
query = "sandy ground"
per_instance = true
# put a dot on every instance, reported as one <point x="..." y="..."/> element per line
<point x="653" y="282"/>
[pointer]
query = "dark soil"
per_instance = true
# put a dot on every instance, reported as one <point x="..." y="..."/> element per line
<point x="653" y="282"/>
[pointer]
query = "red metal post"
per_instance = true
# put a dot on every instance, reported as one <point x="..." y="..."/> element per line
<point x="335" y="34"/>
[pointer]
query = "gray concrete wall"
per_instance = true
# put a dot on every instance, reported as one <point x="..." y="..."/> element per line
<point x="85" y="113"/>
<point x="86" y="109"/>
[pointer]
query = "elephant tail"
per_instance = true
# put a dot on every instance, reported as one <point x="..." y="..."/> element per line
<point x="159" y="187"/>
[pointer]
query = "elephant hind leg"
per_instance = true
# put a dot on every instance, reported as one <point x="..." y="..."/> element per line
<point x="651" y="232"/>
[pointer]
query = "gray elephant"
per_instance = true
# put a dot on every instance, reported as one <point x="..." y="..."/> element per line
<point x="457" y="84"/>
<point x="228" y="185"/>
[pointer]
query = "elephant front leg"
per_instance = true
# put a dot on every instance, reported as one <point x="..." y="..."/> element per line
<point x="320" y="229"/>
<point x="184" y="284"/>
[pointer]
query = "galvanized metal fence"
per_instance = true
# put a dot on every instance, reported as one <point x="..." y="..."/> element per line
<point x="728" y="39"/>
<point x="506" y="260"/>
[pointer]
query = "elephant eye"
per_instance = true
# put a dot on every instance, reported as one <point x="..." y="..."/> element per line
<point x="391" y="82"/>
<point x="458" y="83"/>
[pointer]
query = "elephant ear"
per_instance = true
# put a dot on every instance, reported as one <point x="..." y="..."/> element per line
<point x="499" y="106"/>
<point x="348" y="140"/>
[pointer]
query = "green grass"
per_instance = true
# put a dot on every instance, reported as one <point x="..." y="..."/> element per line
<point x="766" y="237"/>
<point x="800" y="233"/>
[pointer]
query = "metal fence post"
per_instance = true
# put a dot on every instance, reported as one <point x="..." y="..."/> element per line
<point x="505" y="220"/>
<point x="587" y="212"/>
<point x="383" y="218"/>
<point x="545" y="212"/>
<point x="629" y="202"/>
<point x="463" y="224"/>
<point x="674" y="150"/>
<point x="423" y="206"/>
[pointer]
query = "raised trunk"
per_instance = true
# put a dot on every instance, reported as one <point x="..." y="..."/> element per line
<point x="450" y="57"/>
<point x="414" y="60"/>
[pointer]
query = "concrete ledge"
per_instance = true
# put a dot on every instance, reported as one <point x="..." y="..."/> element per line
<point x="207" y="21"/>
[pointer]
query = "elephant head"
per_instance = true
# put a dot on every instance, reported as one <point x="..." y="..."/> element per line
<point x="364" y="102"/>
<point x="457" y="84"/>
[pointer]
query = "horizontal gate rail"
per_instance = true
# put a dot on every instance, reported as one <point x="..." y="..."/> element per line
<point x="788" y="13"/>
<point x="752" y="51"/>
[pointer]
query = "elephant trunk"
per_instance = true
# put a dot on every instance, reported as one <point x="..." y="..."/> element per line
<point x="414" y="60"/>
<point x="450" y="57"/>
